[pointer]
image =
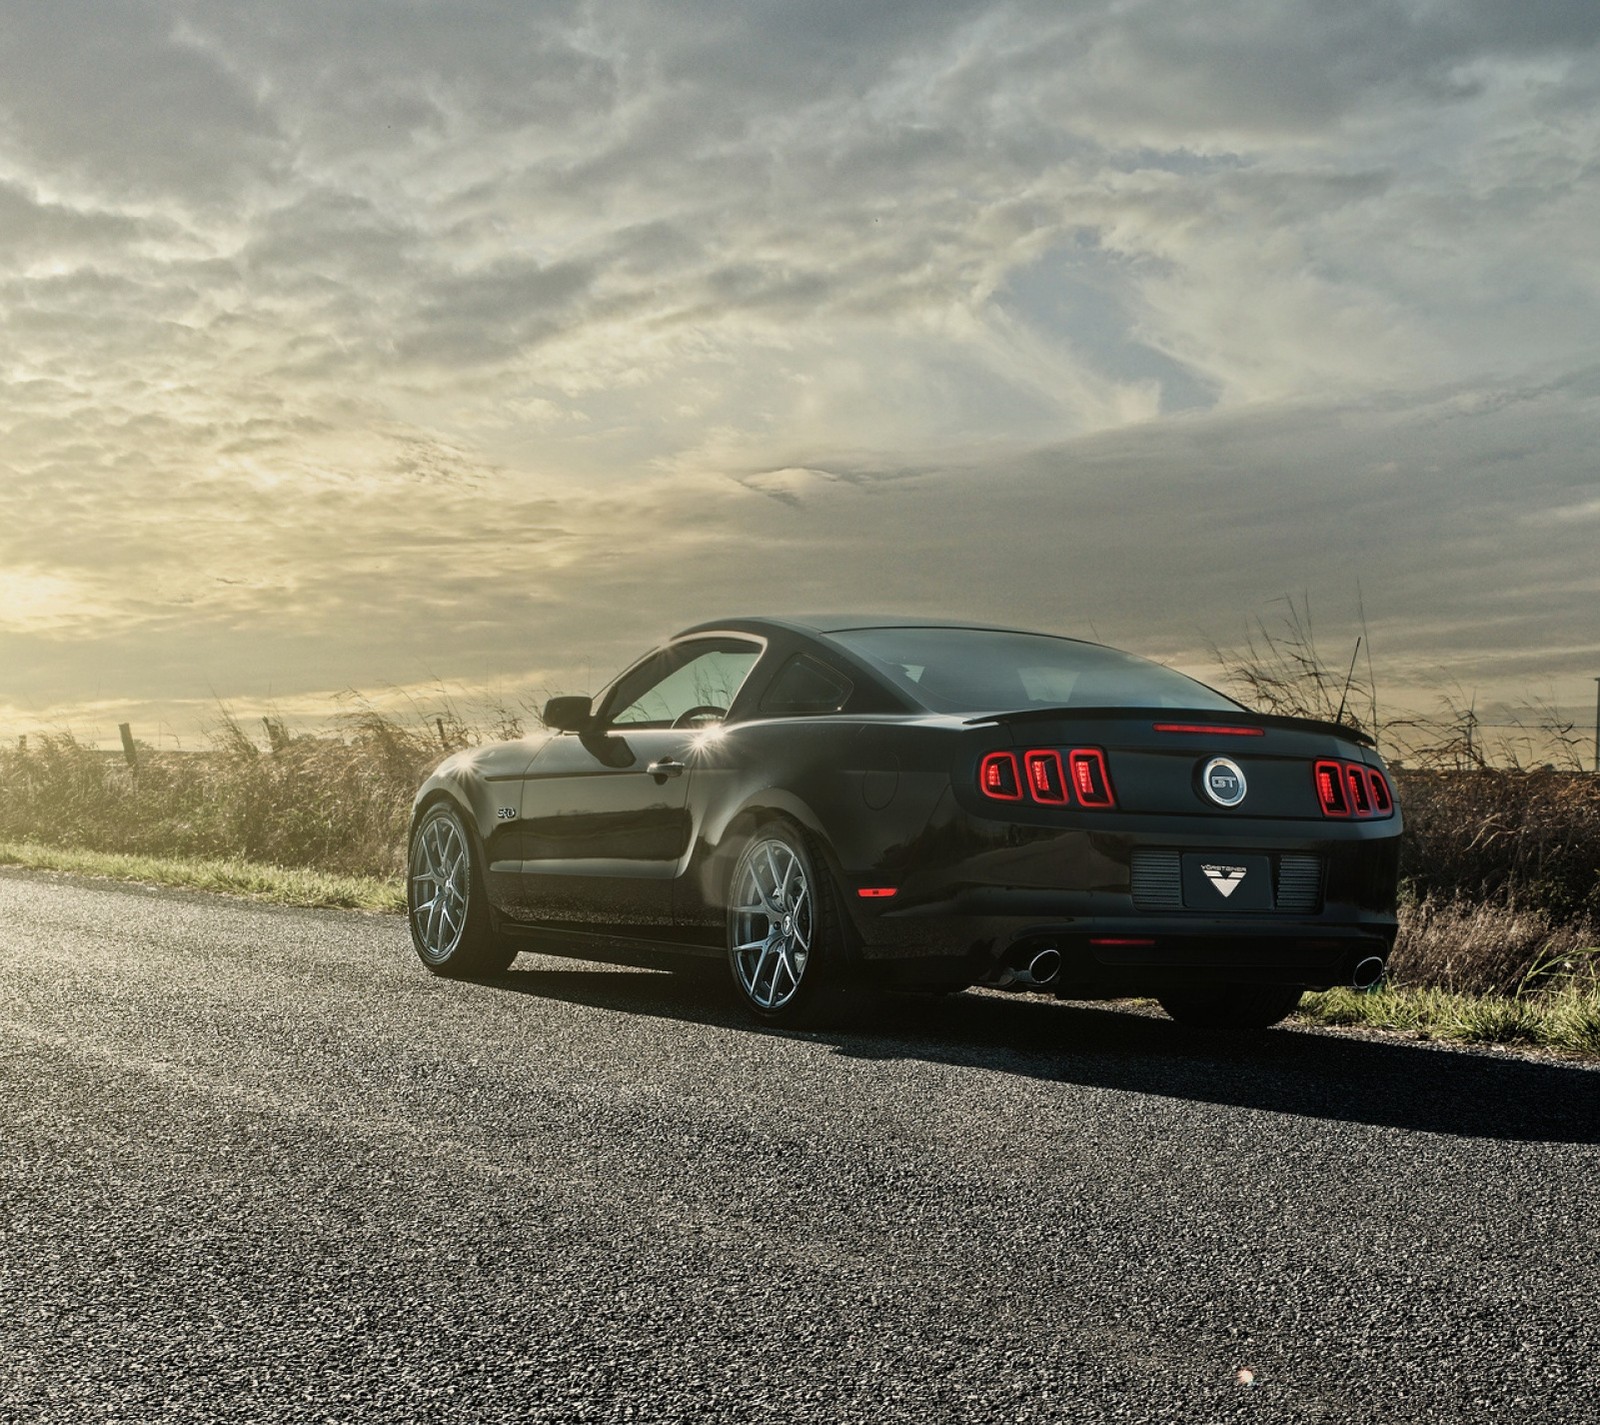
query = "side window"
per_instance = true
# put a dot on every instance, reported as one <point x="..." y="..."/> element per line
<point x="687" y="686"/>
<point x="806" y="686"/>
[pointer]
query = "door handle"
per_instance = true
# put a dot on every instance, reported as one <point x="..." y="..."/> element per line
<point x="665" y="768"/>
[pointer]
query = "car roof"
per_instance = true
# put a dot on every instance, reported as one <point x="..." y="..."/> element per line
<point x="845" y="622"/>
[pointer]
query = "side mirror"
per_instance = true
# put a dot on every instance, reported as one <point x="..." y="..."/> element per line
<point x="567" y="714"/>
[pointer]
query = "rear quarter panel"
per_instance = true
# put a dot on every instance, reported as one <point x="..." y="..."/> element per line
<point x="864" y="788"/>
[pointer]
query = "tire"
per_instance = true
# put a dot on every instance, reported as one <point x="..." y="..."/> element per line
<point x="1241" y="1007"/>
<point x="447" y="903"/>
<point x="787" y="942"/>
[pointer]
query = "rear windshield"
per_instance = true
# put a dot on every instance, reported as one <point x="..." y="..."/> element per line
<point x="987" y="670"/>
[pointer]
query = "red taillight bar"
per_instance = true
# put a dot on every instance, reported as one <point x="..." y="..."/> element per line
<point x="998" y="779"/>
<point x="1046" y="781"/>
<point x="1222" y="729"/>
<point x="1083" y="777"/>
<point x="875" y="893"/>
<point x="1090" y="780"/>
<point x="1360" y="793"/>
<point x="1382" y="797"/>
<point x="1330" y="789"/>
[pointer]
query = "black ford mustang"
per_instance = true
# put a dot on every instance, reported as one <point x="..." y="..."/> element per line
<point x="832" y="804"/>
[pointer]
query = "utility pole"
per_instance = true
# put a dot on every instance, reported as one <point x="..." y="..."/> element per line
<point x="1597" y="725"/>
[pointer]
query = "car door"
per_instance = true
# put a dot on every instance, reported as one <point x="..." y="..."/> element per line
<point x="604" y="816"/>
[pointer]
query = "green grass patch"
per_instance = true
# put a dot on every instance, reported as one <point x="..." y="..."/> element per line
<point x="1564" y="1017"/>
<point x="282" y="885"/>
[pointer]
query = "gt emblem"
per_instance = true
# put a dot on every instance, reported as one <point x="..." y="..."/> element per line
<point x="1223" y="781"/>
<point x="1225" y="878"/>
<point x="506" y="813"/>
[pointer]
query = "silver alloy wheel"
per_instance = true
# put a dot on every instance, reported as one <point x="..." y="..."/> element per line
<point x="441" y="871"/>
<point x="772" y="923"/>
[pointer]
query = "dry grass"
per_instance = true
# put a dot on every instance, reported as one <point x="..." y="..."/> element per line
<point x="1504" y="836"/>
<point x="1468" y="947"/>
<point x="337" y="803"/>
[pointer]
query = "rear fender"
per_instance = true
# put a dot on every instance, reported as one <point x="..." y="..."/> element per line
<point x="725" y="843"/>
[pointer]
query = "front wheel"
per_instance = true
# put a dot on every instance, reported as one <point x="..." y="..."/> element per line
<point x="1231" y="1006"/>
<point x="446" y="901"/>
<point x="786" y="941"/>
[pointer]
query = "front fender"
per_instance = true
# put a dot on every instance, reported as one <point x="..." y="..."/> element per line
<point x="484" y="783"/>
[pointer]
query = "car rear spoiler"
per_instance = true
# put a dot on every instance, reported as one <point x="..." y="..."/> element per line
<point x="1243" y="717"/>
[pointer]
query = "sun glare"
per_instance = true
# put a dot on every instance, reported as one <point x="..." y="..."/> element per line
<point x="39" y="603"/>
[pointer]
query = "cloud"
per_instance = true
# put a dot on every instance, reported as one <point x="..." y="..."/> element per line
<point x="333" y="334"/>
<point x="1166" y="537"/>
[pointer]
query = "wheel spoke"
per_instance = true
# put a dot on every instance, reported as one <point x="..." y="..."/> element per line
<point x="777" y="881"/>
<point x="755" y="977"/>
<point x="787" y="966"/>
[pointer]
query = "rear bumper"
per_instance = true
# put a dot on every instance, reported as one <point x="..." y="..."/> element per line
<point x="1116" y="955"/>
<point x="981" y="893"/>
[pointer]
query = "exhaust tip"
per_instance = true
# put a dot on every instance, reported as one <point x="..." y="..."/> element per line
<point x="1045" y="966"/>
<point x="1369" y="973"/>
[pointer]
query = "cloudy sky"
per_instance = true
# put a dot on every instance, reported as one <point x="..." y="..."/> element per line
<point x="391" y="344"/>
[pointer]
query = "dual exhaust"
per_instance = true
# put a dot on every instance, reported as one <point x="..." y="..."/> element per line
<point x="1042" y="968"/>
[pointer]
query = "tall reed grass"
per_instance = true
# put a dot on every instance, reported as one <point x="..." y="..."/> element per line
<point x="336" y="803"/>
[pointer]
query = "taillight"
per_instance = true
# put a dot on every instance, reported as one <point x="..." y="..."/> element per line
<point x="1360" y="797"/>
<point x="1382" y="798"/>
<point x="1089" y="777"/>
<point x="997" y="776"/>
<point x="1330" y="789"/>
<point x="1045" y="780"/>
<point x="1352" y="789"/>
<point x="1050" y="780"/>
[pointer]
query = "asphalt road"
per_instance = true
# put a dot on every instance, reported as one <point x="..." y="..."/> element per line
<point x="255" y="1164"/>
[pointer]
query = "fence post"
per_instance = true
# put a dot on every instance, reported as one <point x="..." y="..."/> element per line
<point x="128" y="749"/>
<point x="277" y="734"/>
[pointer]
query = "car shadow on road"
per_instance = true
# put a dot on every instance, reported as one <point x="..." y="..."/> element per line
<point x="1316" y="1075"/>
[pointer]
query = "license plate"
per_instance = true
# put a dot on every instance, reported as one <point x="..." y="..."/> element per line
<point x="1226" y="883"/>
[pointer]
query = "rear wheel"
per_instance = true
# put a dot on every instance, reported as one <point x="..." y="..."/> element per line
<point x="447" y="904"/>
<point x="786" y="941"/>
<point x="1231" y="1006"/>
